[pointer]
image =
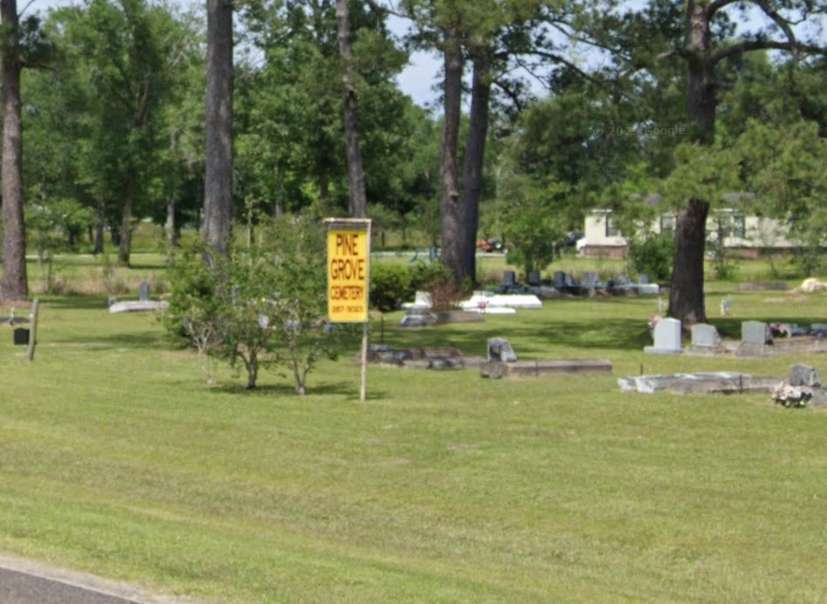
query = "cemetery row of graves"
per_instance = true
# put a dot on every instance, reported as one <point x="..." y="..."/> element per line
<point x="531" y="455"/>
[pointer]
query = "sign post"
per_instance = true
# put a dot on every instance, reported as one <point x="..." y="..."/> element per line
<point x="348" y="279"/>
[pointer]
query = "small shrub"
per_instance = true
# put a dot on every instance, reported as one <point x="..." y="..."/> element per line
<point x="262" y="306"/>
<point x="425" y="275"/>
<point x="390" y="286"/>
<point x="653" y="256"/>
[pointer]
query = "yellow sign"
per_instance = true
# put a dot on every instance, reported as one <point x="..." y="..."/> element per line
<point x="348" y="270"/>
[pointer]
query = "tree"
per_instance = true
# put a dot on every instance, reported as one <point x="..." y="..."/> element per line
<point x="218" y="186"/>
<point x="259" y="306"/>
<point x="117" y="68"/>
<point x="291" y="137"/>
<point x="532" y="227"/>
<point x="355" y="169"/>
<point x="707" y="44"/>
<point x="784" y="166"/>
<point x="21" y="44"/>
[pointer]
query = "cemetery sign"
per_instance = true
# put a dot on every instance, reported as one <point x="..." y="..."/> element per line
<point x="348" y="279"/>
<point x="348" y="270"/>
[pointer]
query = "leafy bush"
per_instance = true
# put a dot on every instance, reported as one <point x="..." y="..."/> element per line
<point x="653" y="256"/>
<point x="54" y="227"/>
<point x="532" y="223"/>
<point x="435" y="278"/>
<point x="390" y="286"/>
<point x="262" y="306"/>
<point x="426" y="275"/>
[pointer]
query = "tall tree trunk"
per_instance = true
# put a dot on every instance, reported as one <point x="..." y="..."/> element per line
<point x="15" y="283"/>
<point x="170" y="226"/>
<point x="98" y="237"/>
<point x="355" y="169"/>
<point x="452" y="229"/>
<point x="472" y="170"/>
<point x="218" y="190"/>
<point x="125" y="241"/>
<point x="686" y="296"/>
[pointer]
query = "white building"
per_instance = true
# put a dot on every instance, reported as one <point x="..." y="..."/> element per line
<point x="744" y="235"/>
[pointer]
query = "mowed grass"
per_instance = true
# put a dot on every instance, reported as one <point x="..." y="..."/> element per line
<point x="116" y="458"/>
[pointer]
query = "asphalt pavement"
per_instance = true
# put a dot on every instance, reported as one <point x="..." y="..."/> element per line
<point x="21" y="588"/>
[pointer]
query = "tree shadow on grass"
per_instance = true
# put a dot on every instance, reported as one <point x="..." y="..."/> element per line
<point x="531" y="340"/>
<point x="74" y="302"/>
<point x="132" y="341"/>
<point x="349" y="390"/>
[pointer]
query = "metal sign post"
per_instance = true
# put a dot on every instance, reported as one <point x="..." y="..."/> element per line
<point x="33" y="331"/>
<point x="348" y="279"/>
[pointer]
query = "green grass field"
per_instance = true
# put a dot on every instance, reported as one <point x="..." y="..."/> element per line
<point x="117" y="459"/>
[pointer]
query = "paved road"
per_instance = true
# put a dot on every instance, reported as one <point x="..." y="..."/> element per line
<point x="20" y="588"/>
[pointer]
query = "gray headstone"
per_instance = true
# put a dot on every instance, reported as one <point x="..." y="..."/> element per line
<point x="590" y="279"/>
<point x="755" y="332"/>
<point x="534" y="278"/>
<point x="803" y="375"/>
<point x="417" y="320"/>
<point x="143" y="291"/>
<point x="705" y="336"/>
<point x="545" y="292"/>
<point x="499" y="349"/>
<point x="559" y="279"/>
<point x="509" y="278"/>
<point x="643" y="279"/>
<point x="818" y="329"/>
<point x="667" y="338"/>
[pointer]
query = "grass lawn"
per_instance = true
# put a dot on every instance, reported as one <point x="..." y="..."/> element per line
<point x="116" y="458"/>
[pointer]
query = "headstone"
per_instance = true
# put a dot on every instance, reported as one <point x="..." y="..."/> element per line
<point x="705" y="336"/>
<point x="423" y="299"/>
<point x="558" y="280"/>
<point x="643" y="279"/>
<point x="534" y="278"/>
<point x="755" y="333"/>
<point x="726" y="305"/>
<point x="21" y="336"/>
<point x="499" y="349"/>
<point x="545" y="292"/>
<point x="803" y="375"/>
<point x="509" y="279"/>
<point x="819" y="330"/>
<point x="590" y="280"/>
<point x="443" y="363"/>
<point x="143" y="291"/>
<point x="417" y="319"/>
<point x="698" y="383"/>
<point x="667" y="338"/>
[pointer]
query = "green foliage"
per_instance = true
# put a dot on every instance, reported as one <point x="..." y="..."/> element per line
<point x="706" y="172"/>
<point x="262" y="306"/>
<point x="53" y="228"/>
<point x="784" y="167"/>
<point x="390" y="286"/>
<point x="101" y="129"/>
<point x="653" y="256"/>
<point x="426" y="275"/>
<point x="532" y="226"/>
<point x="290" y="138"/>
